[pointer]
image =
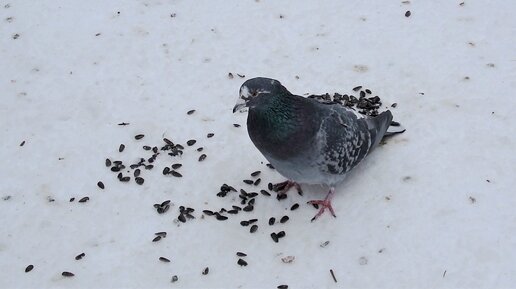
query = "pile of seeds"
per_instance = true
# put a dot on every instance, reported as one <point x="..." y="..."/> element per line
<point x="365" y="103"/>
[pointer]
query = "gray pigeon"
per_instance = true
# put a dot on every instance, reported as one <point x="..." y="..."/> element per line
<point x="307" y="141"/>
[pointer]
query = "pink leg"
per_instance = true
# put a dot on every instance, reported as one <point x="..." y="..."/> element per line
<point x="282" y="188"/>
<point x="326" y="204"/>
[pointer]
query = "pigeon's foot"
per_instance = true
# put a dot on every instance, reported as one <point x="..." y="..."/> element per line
<point x="283" y="187"/>
<point x="326" y="204"/>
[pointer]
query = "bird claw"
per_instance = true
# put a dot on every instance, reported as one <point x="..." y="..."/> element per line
<point x="326" y="204"/>
<point x="283" y="187"/>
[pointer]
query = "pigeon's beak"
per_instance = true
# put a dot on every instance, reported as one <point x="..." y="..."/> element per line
<point x="239" y="107"/>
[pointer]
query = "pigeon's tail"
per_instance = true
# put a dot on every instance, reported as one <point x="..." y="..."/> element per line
<point x="394" y="128"/>
<point x="378" y="127"/>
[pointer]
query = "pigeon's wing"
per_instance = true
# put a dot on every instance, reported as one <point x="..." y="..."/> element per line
<point x="378" y="126"/>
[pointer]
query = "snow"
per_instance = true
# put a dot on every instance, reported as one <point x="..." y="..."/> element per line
<point x="432" y="208"/>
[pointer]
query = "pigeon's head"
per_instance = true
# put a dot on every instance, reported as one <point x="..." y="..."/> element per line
<point x="253" y="88"/>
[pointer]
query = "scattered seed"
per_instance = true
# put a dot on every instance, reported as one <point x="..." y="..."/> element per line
<point x="274" y="237"/>
<point x="324" y="244"/>
<point x="265" y="193"/>
<point x="191" y="142"/>
<point x="407" y="14"/>
<point x="244" y="223"/>
<point x="149" y="167"/>
<point x="162" y="234"/>
<point x="230" y="75"/>
<point x="270" y="186"/>
<point x="157" y="238"/>
<point x="251" y="221"/>
<point x="108" y="162"/>
<point x="248" y="208"/>
<point x="80" y="256"/>
<point x="206" y="271"/>
<point x="221" y="217"/>
<point x="294" y="207"/>
<point x="282" y="287"/>
<point x="280" y="197"/>
<point x="174" y="279"/>
<point x="284" y="219"/>
<point x="138" y="136"/>
<point x="123" y="123"/>
<point x="394" y="105"/>
<point x="202" y="157"/>
<point x="240" y="254"/>
<point x="163" y="259"/>
<point x="29" y="268"/>
<point x="253" y="229"/>
<point x="236" y="125"/>
<point x="357" y="88"/>
<point x="181" y="218"/>
<point x="121" y="148"/>
<point x="67" y="274"/>
<point x="241" y="262"/>
<point x="139" y="180"/>
<point x="22" y="143"/>
<point x="83" y="200"/>
<point x="137" y="173"/>
<point x="257" y="182"/>
<point x="200" y="149"/>
<point x="210" y="135"/>
<point x="166" y="170"/>
<point x="100" y="185"/>
<point x="270" y="166"/>
<point x="208" y="212"/>
<point x="241" y="75"/>
<point x="272" y="220"/>
<point x="333" y="275"/>
<point x="281" y="234"/>
<point x="190" y="112"/>
<point x="176" y="174"/>
<point x="72" y="199"/>
<point x="254" y="174"/>
<point x="249" y="182"/>
<point x="176" y="166"/>
<point x="125" y="179"/>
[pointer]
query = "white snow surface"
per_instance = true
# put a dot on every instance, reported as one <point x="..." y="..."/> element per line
<point x="432" y="208"/>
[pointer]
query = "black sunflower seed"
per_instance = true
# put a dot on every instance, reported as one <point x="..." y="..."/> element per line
<point x="108" y="162"/>
<point x="165" y="203"/>
<point x="29" y="268"/>
<point x="251" y="221"/>
<point x="22" y="143"/>
<point x="157" y="238"/>
<point x="257" y="182"/>
<point x="270" y="166"/>
<point x="166" y="170"/>
<point x="265" y="193"/>
<point x="236" y="125"/>
<point x="147" y="148"/>
<point x="253" y="229"/>
<point x="281" y="234"/>
<point x="357" y="88"/>
<point x="119" y="176"/>
<point x="294" y="207"/>
<point x="137" y="173"/>
<point x="162" y="234"/>
<point x="83" y="200"/>
<point x="208" y="212"/>
<point x="67" y="274"/>
<point x="249" y="182"/>
<point x="125" y="179"/>
<point x="254" y="174"/>
<point x="240" y="254"/>
<point x="190" y="112"/>
<point x="368" y="91"/>
<point x="282" y="287"/>
<point x="121" y="148"/>
<point x="241" y="262"/>
<point x="270" y="186"/>
<point x="248" y="208"/>
<point x="200" y="149"/>
<point x="100" y="185"/>
<point x="272" y="220"/>
<point x="233" y="212"/>
<point x="191" y="142"/>
<point x="174" y="279"/>
<point x="221" y="217"/>
<point x="202" y="157"/>
<point x="237" y="208"/>
<point x="123" y="123"/>
<point x="281" y="196"/>
<point x="407" y="14"/>
<point x="181" y="218"/>
<point x="176" y="166"/>
<point x="274" y="237"/>
<point x="138" y="136"/>
<point x="176" y="174"/>
<point x="210" y="135"/>
<point x="244" y="223"/>
<point x="205" y="271"/>
<point x="149" y="167"/>
<point x="284" y="219"/>
<point x="72" y="199"/>
<point x="163" y="259"/>
<point x="139" y="180"/>
<point x="80" y="256"/>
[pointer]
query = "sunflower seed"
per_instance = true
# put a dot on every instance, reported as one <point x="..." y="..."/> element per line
<point x="248" y="208"/>
<point x="100" y="185"/>
<point x="108" y="162"/>
<point x="80" y="256"/>
<point x="162" y="234"/>
<point x="274" y="237"/>
<point x="244" y="223"/>
<point x="157" y="238"/>
<point x="284" y="219"/>
<point x="272" y="220"/>
<point x="221" y="218"/>
<point x="125" y="179"/>
<point x="200" y="149"/>
<point x="241" y="262"/>
<point x="174" y="279"/>
<point x="253" y="229"/>
<point x="29" y="268"/>
<point x="176" y="174"/>
<point x="83" y="200"/>
<point x="202" y="157"/>
<point x="139" y="180"/>
<point x="407" y="14"/>
<point x="22" y="143"/>
<point x="181" y="218"/>
<point x="67" y="274"/>
<point x="191" y="142"/>
<point x="249" y="182"/>
<point x="206" y="271"/>
<point x="210" y="135"/>
<point x="236" y="125"/>
<point x="294" y="207"/>
<point x="240" y="254"/>
<point x="282" y="287"/>
<point x="281" y="234"/>
<point x="254" y="174"/>
<point x="357" y="88"/>
<point x="190" y="112"/>
<point x="163" y="259"/>
<point x="121" y="148"/>
<point x="138" y="136"/>
<point x="166" y="170"/>
<point x="265" y="193"/>
<point x="137" y="173"/>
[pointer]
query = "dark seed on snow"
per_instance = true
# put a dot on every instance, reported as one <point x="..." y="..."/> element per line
<point x="240" y="254"/>
<point x="166" y="170"/>
<point x="202" y="157"/>
<point x="236" y="125"/>
<point x="249" y="182"/>
<point x="248" y="208"/>
<point x="67" y="274"/>
<point x="164" y="209"/>
<point x="138" y="136"/>
<point x="147" y="148"/>
<point x="165" y="203"/>
<point x="265" y="193"/>
<point x="175" y="174"/>
<point x="72" y="199"/>
<point x="208" y="212"/>
<point x="272" y="220"/>
<point x="176" y="166"/>
<point x="163" y="259"/>
<point x="257" y="182"/>
<point x="101" y="185"/>
<point x="83" y="200"/>
<point x="281" y="196"/>
<point x="206" y="271"/>
<point x="221" y="218"/>
<point x="251" y="221"/>
<point x="270" y="166"/>
<point x="79" y="257"/>
<point x="139" y="180"/>
<point x="254" y="174"/>
<point x="281" y="234"/>
<point x="210" y="135"/>
<point x="200" y="149"/>
<point x="233" y="212"/>
<point x="237" y="208"/>
<point x="394" y="105"/>
<point x="241" y="262"/>
<point x="407" y="14"/>
<point x="270" y="186"/>
<point x="121" y="148"/>
<point x="162" y="234"/>
<point x="167" y="141"/>
<point x="123" y="123"/>
<point x="191" y="142"/>
<point x="125" y="179"/>
<point x="282" y="287"/>
<point x="149" y="167"/>
<point x="294" y="207"/>
<point x="29" y="268"/>
<point x="284" y="219"/>
<point x="119" y="176"/>
<point x="137" y="173"/>
<point x="244" y="223"/>
<point x="362" y="94"/>
<point x="357" y="88"/>
<point x="22" y="143"/>
<point x="156" y="239"/>
<point x="108" y="162"/>
<point x="190" y="112"/>
<point x="274" y="237"/>
<point x="181" y="218"/>
<point x="253" y="229"/>
<point x="368" y="91"/>
<point x="174" y="279"/>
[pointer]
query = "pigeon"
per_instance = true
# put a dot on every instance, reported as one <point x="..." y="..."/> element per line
<point x="305" y="140"/>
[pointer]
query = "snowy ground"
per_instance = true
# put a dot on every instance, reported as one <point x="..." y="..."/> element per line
<point x="433" y="208"/>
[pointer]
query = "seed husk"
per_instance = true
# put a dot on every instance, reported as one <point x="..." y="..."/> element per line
<point x="121" y="148"/>
<point x="202" y="157"/>
<point x="138" y="136"/>
<point x="149" y="167"/>
<point x="272" y="220"/>
<point x="210" y="135"/>
<point x="72" y="199"/>
<point x="190" y="112"/>
<point x="240" y="254"/>
<point x="248" y="208"/>
<point x="80" y="256"/>
<point x="236" y="125"/>
<point x="208" y="212"/>
<point x="162" y="234"/>
<point x="357" y="88"/>
<point x="199" y="149"/>
<point x="139" y="180"/>
<point x="284" y="219"/>
<point x="163" y="259"/>
<point x="253" y="229"/>
<point x="282" y="287"/>
<point x="67" y="274"/>
<point x="251" y="221"/>
<point x="100" y="185"/>
<point x="191" y="142"/>
<point x="176" y="166"/>
<point x="174" y="278"/>
<point x="241" y="262"/>
<point x="233" y="212"/>
<point x="83" y="200"/>
<point x="333" y="275"/>
<point x="157" y="238"/>
<point x="244" y="223"/>
<point x="22" y="143"/>
<point x="294" y="207"/>
<point x="29" y="268"/>
<point x="123" y="123"/>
